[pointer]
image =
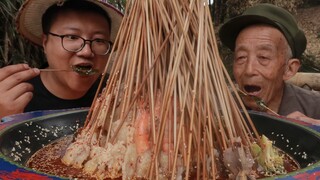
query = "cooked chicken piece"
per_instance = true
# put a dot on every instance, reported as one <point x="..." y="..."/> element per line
<point x="76" y="153"/>
<point x="129" y="164"/>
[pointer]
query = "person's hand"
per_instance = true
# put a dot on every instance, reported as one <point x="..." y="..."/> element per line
<point x="299" y="116"/>
<point x="15" y="93"/>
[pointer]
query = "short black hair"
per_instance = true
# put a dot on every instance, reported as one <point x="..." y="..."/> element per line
<point x="75" y="5"/>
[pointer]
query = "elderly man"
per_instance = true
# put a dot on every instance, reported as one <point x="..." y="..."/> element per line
<point x="267" y="43"/>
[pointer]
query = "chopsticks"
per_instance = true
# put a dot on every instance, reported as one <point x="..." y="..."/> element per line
<point x="258" y="101"/>
<point x="54" y="70"/>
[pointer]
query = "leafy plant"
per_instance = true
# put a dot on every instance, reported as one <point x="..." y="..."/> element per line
<point x="13" y="48"/>
<point x="235" y="7"/>
<point x="120" y="4"/>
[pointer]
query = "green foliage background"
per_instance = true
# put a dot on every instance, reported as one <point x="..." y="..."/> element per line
<point x="14" y="49"/>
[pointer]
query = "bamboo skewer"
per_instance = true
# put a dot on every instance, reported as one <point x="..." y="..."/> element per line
<point x="55" y="70"/>
<point x="167" y="56"/>
<point x="73" y="69"/>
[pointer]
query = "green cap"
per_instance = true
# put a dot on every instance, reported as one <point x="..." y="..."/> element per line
<point x="265" y="14"/>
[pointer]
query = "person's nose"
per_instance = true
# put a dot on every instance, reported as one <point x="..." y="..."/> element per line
<point x="251" y="67"/>
<point x="86" y="50"/>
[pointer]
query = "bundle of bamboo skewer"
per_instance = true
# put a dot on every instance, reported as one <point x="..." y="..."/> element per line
<point x="167" y="88"/>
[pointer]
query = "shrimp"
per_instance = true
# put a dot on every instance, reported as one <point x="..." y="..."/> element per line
<point x="141" y="140"/>
<point x="142" y="130"/>
<point x="167" y="146"/>
<point x="142" y="135"/>
<point x="167" y="141"/>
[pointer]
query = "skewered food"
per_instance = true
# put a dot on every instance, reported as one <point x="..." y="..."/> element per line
<point x="167" y="111"/>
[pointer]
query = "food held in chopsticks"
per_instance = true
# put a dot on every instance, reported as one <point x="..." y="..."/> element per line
<point x="84" y="70"/>
<point x="80" y="69"/>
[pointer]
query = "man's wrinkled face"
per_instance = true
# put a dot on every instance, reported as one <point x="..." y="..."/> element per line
<point x="260" y="63"/>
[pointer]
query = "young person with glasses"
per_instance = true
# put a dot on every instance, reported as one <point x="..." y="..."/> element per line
<point x="73" y="33"/>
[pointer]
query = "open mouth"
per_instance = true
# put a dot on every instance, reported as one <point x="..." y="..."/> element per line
<point x="252" y="89"/>
<point x="84" y="69"/>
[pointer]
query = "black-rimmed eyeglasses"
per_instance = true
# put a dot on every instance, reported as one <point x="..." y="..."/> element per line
<point x="74" y="43"/>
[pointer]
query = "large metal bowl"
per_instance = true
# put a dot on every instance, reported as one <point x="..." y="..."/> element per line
<point x="19" y="141"/>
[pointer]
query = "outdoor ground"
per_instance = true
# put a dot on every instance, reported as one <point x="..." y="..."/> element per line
<point x="309" y="21"/>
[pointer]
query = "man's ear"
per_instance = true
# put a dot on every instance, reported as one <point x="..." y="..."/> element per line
<point x="292" y="68"/>
<point x="44" y="42"/>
